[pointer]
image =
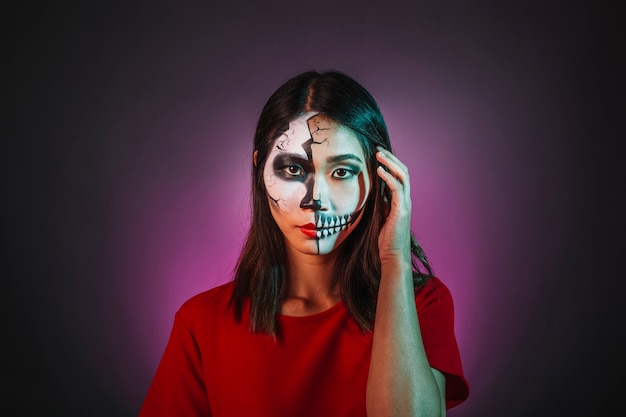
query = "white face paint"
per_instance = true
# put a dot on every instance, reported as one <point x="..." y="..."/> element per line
<point x="317" y="183"/>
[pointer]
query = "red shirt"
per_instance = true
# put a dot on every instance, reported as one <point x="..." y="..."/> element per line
<point x="213" y="366"/>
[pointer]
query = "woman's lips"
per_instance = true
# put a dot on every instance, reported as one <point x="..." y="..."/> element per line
<point x="309" y="229"/>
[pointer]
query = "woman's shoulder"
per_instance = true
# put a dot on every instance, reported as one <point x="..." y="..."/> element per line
<point x="214" y="299"/>
<point x="434" y="290"/>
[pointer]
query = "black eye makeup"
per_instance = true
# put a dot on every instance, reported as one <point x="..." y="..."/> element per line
<point x="292" y="167"/>
<point x="293" y="171"/>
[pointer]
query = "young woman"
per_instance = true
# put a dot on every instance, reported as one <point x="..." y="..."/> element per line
<point x="333" y="310"/>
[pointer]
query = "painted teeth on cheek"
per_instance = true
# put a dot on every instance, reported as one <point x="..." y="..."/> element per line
<point x="328" y="226"/>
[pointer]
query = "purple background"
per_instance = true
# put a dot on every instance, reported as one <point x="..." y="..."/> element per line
<point x="130" y="131"/>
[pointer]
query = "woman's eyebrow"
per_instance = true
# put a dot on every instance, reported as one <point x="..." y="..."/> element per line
<point x="343" y="157"/>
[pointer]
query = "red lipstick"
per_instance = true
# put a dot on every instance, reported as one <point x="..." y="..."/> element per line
<point x="309" y="230"/>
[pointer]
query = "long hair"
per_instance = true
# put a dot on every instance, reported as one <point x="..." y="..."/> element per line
<point x="260" y="269"/>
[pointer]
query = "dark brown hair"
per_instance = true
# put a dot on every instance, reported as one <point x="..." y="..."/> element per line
<point x="260" y="270"/>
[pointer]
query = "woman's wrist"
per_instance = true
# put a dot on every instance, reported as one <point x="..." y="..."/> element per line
<point x="396" y="268"/>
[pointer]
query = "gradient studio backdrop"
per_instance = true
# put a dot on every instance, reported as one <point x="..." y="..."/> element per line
<point x="134" y="126"/>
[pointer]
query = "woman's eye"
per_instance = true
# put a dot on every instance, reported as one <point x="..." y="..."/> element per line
<point x="343" y="173"/>
<point x="293" y="171"/>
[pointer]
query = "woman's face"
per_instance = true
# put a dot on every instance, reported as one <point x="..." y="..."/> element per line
<point x="317" y="183"/>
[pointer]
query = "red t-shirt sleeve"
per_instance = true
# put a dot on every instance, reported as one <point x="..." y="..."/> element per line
<point x="435" y="312"/>
<point x="177" y="388"/>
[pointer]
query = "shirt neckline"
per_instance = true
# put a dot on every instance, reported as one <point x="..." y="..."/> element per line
<point x="314" y="317"/>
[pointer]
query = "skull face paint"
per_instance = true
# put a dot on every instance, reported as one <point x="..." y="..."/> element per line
<point x="317" y="183"/>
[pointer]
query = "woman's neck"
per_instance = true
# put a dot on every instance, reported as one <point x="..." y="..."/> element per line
<point x="311" y="284"/>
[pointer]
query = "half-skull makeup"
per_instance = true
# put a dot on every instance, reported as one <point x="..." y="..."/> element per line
<point x="317" y="183"/>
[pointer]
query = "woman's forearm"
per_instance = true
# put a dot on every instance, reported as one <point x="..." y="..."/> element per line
<point x="400" y="381"/>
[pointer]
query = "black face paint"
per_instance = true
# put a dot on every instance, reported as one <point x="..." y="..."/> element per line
<point x="309" y="201"/>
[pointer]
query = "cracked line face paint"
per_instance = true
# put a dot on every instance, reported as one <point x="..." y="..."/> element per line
<point x="317" y="183"/>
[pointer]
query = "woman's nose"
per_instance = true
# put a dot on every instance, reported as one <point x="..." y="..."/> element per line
<point x="315" y="192"/>
<point x="312" y="204"/>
